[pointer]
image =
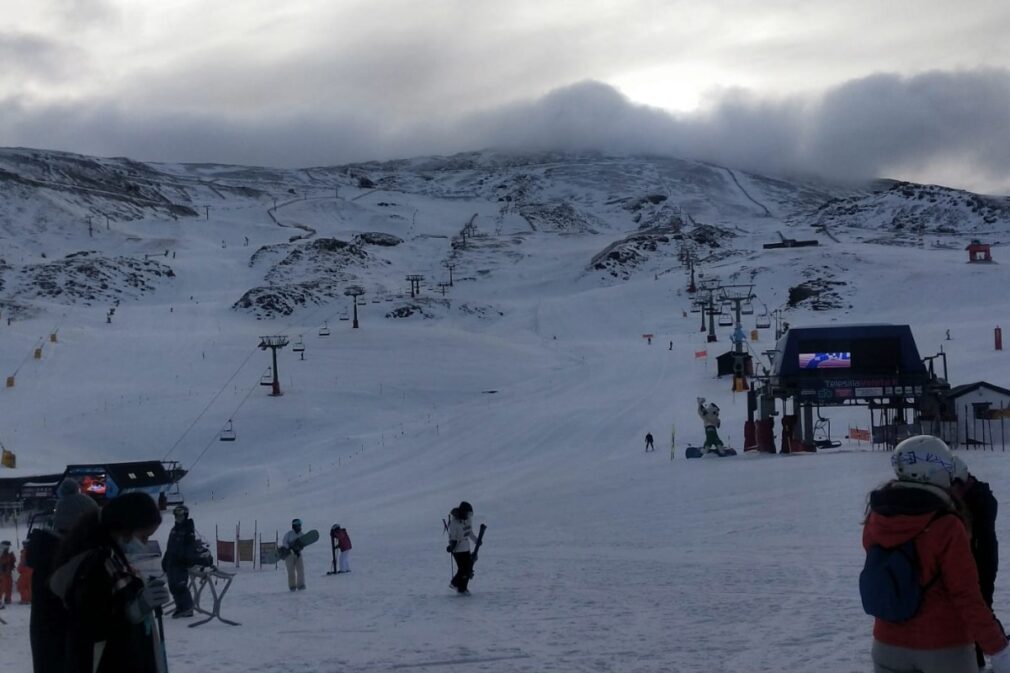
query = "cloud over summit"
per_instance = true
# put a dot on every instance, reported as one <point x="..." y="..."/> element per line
<point x="949" y="126"/>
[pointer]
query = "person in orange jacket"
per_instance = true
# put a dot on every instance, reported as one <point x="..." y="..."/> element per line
<point x="24" y="579"/>
<point x="7" y="563"/>
<point x="940" y="637"/>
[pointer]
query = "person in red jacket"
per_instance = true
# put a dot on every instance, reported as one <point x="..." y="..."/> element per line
<point x="24" y="579"/>
<point x="7" y="563"/>
<point x="953" y="615"/>
<point x="342" y="541"/>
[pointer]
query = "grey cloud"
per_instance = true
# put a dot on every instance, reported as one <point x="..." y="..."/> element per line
<point x="25" y="57"/>
<point x="942" y="126"/>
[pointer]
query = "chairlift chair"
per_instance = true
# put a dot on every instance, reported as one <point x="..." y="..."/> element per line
<point x="268" y="378"/>
<point x="725" y="320"/>
<point x="695" y="308"/>
<point x="298" y="346"/>
<point x="228" y="433"/>
<point x="763" y="321"/>
<point x="747" y="309"/>
<point x="324" y="330"/>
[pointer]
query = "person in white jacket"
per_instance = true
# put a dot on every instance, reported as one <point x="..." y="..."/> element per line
<point x="293" y="562"/>
<point x="460" y="535"/>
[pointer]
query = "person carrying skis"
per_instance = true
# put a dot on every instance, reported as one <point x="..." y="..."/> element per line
<point x="7" y="564"/>
<point x="951" y="614"/>
<point x="113" y="624"/>
<point x="648" y="442"/>
<point x="181" y="553"/>
<point x="293" y="561"/>
<point x="710" y="418"/>
<point x="342" y="542"/>
<point x="47" y="625"/>
<point x="460" y="535"/>
<point x="980" y="505"/>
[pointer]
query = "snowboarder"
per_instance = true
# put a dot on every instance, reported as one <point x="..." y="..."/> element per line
<point x="648" y="442"/>
<point x="293" y="562"/>
<point x="7" y="564"/>
<point x="24" y="578"/>
<point x="977" y="499"/>
<point x="710" y="417"/>
<point x="47" y="626"/>
<point x="114" y="614"/>
<point x="917" y="507"/>
<point x="342" y="543"/>
<point x="181" y="553"/>
<point x="460" y="535"/>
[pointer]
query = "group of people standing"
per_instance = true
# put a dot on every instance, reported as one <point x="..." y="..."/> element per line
<point x="8" y="563"/>
<point x="92" y="610"/>
<point x="936" y="522"/>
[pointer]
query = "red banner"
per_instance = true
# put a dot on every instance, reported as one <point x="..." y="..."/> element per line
<point x="225" y="551"/>
<point x="859" y="435"/>
<point x="701" y="354"/>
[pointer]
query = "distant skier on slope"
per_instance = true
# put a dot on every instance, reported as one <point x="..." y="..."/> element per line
<point x="460" y="535"/>
<point x="648" y="442"/>
<point x="710" y="417"/>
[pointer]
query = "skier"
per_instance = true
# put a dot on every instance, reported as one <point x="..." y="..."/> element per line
<point x="182" y="552"/>
<point x="460" y="535"/>
<point x="978" y="501"/>
<point x="648" y="442"/>
<point x="112" y="625"/>
<point x="24" y="577"/>
<point x="710" y="417"/>
<point x="7" y="564"/>
<point x="342" y="541"/>
<point x="293" y="562"/>
<point x="47" y="626"/>
<point x="917" y="507"/>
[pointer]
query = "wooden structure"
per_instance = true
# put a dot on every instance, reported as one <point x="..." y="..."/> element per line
<point x="979" y="252"/>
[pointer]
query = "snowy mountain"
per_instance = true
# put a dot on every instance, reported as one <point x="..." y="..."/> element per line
<point x="523" y="386"/>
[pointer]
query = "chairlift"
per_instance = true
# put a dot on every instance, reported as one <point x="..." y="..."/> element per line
<point x="344" y="316"/>
<point x="763" y="321"/>
<point x="747" y="309"/>
<point x="695" y="308"/>
<point x="268" y="378"/>
<point x="725" y="320"/>
<point x="228" y="433"/>
<point x="298" y="346"/>
<point x="325" y="329"/>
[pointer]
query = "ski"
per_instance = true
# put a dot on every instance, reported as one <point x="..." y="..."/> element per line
<point x="480" y="541"/>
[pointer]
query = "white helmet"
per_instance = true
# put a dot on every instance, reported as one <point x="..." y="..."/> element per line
<point x="960" y="469"/>
<point x="925" y="459"/>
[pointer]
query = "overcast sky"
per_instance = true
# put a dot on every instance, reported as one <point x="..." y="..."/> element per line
<point x="910" y="89"/>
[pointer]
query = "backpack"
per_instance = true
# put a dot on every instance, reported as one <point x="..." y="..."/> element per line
<point x="889" y="583"/>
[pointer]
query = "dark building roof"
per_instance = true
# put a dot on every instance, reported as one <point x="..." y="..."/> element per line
<point x="964" y="389"/>
<point x="848" y="362"/>
<point x="128" y="475"/>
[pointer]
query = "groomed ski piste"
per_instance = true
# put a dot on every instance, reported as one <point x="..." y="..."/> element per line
<point x="598" y="556"/>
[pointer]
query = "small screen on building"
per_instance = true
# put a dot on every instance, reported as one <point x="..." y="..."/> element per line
<point x="825" y="360"/>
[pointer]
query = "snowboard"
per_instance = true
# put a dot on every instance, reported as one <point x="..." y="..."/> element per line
<point x="699" y="452"/>
<point x="303" y="541"/>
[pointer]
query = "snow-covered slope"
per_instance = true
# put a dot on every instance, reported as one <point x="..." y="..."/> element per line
<point x="525" y="388"/>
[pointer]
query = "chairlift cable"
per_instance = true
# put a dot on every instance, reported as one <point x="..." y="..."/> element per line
<point x="209" y="404"/>
<point x="230" y="418"/>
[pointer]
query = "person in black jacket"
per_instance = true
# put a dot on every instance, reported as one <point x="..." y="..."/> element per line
<point x="47" y="626"/>
<point x="113" y="625"/>
<point x="181" y="553"/>
<point x="981" y="508"/>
